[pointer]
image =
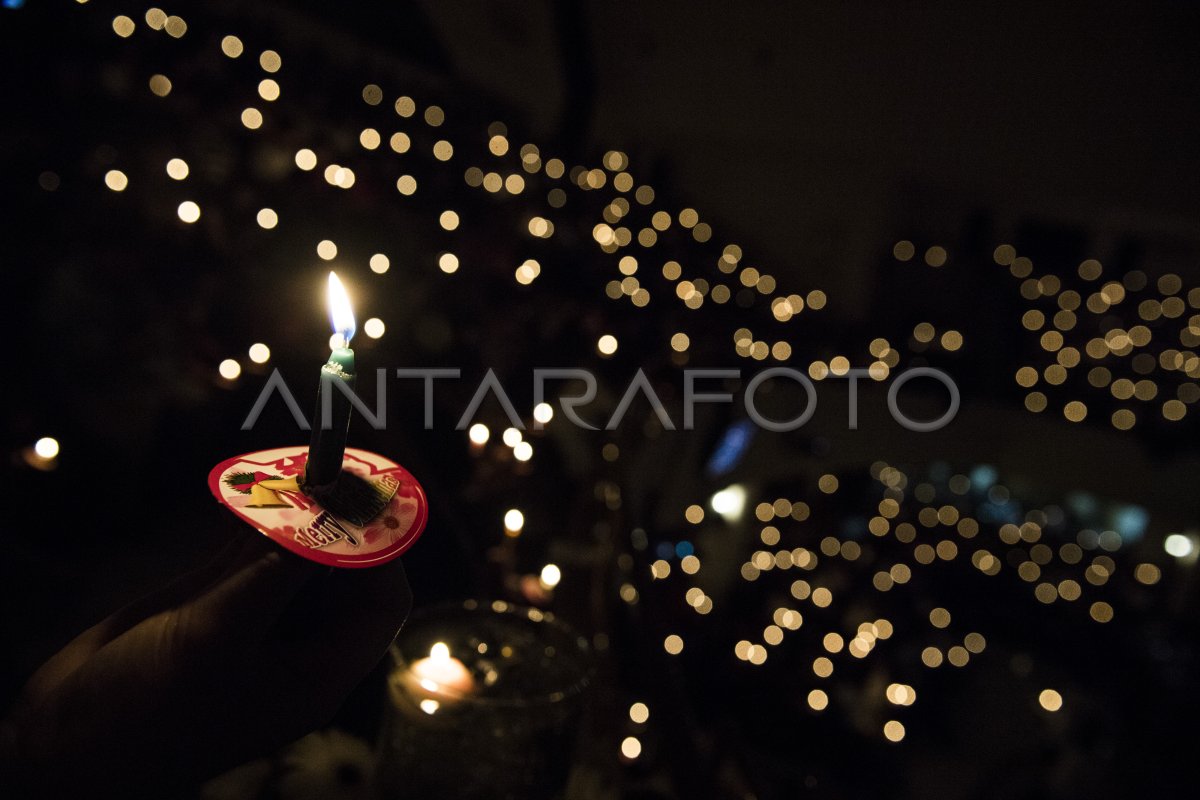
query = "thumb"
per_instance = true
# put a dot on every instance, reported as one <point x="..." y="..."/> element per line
<point x="253" y="597"/>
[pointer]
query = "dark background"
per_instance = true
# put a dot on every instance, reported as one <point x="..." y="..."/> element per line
<point x="814" y="136"/>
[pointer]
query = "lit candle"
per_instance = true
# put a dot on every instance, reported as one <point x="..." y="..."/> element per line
<point x="442" y="676"/>
<point x="328" y="444"/>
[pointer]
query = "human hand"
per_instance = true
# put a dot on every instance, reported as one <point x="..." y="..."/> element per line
<point x="229" y="662"/>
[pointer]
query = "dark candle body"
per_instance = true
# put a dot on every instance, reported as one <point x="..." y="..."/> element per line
<point x="327" y="447"/>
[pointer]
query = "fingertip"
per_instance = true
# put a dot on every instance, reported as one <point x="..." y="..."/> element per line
<point x="262" y="587"/>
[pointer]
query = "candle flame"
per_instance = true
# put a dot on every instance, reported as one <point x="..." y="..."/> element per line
<point x="439" y="652"/>
<point x="341" y="315"/>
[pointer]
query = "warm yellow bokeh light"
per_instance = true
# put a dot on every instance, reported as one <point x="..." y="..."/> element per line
<point x="479" y="433"/>
<point x="327" y="250"/>
<point x="231" y="46"/>
<point x="1050" y="700"/>
<point x="188" y="211"/>
<point x="379" y="263"/>
<point x="229" y="369"/>
<point x="160" y="85"/>
<point x="267" y="218"/>
<point x="270" y="61"/>
<point x="268" y="89"/>
<point x="306" y="159"/>
<point x="115" y="179"/>
<point x="550" y="576"/>
<point x="252" y="118"/>
<point x="177" y="169"/>
<point x="259" y="353"/>
<point x="123" y="26"/>
<point x="374" y="327"/>
<point x="631" y="747"/>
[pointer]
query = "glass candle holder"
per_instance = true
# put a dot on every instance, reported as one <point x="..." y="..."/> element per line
<point x="484" y="700"/>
